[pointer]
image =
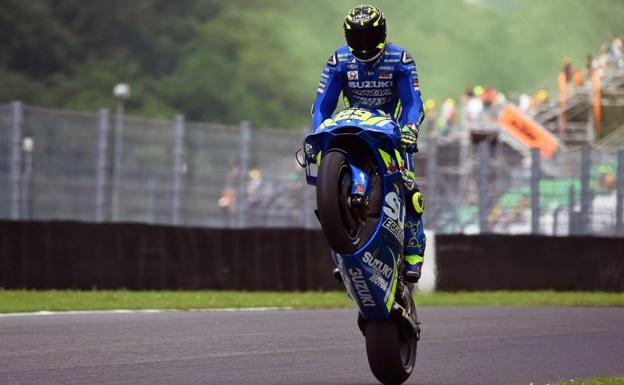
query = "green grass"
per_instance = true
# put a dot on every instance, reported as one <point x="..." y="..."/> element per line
<point x="520" y="298"/>
<point x="29" y="301"/>
<point x="26" y="301"/>
<point x="595" y="381"/>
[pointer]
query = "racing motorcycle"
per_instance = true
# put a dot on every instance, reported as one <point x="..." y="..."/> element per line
<point x="355" y="159"/>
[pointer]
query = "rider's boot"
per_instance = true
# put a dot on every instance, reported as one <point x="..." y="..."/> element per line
<point x="415" y="240"/>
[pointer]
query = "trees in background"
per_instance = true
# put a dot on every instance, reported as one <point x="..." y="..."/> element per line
<point x="240" y="60"/>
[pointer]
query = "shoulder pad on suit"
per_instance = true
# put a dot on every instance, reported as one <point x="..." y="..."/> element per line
<point x="406" y="58"/>
<point x="333" y="60"/>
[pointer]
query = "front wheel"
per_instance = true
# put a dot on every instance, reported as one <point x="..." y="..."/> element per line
<point x="391" y="350"/>
<point x="346" y="228"/>
<point x="340" y="226"/>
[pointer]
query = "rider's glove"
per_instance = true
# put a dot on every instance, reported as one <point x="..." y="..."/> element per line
<point x="409" y="136"/>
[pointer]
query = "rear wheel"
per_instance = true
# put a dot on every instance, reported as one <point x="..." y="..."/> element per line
<point x="391" y="350"/>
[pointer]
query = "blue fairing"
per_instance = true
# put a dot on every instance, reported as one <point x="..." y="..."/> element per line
<point x="370" y="274"/>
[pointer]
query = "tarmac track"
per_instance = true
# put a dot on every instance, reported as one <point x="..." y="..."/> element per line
<point x="458" y="346"/>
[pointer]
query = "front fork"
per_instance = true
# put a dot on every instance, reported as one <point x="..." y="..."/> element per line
<point x="358" y="199"/>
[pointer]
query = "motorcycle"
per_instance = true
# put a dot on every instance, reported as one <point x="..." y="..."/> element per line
<point x="356" y="160"/>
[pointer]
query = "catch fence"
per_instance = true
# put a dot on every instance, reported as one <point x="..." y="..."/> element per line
<point x="106" y="167"/>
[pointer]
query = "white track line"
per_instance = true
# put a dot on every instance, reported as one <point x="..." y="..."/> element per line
<point x="127" y="311"/>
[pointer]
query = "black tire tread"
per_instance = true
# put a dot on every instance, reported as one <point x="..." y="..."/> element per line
<point x="327" y="191"/>
<point x="382" y="349"/>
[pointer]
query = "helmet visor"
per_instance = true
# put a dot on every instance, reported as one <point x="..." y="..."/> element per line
<point x="364" y="40"/>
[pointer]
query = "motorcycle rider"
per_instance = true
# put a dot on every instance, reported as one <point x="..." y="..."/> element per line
<point x="376" y="74"/>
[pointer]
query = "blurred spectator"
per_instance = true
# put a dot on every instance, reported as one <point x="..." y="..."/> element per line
<point x="524" y="103"/>
<point x="227" y="200"/>
<point x="473" y="107"/>
<point x="468" y="93"/>
<point x="254" y="183"/>
<point x="616" y="50"/>
<point x="489" y="98"/>
<point x="606" y="179"/>
<point x="500" y="98"/>
<point x="478" y="91"/>
<point x="571" y="74"/>
<point x="539" y="98"/>
<point x="604" y="58"/>
<point x="577" y="77"/>
<point x="592" y="66"/>
<point x="431" y="116"/>
<point x="448" y="117"/>
<point x="568" y="70"/>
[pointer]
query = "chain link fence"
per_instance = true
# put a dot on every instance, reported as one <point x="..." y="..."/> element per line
<point x="108" y="167"/>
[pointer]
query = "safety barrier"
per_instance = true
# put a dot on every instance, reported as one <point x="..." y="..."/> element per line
<point x="76" y="255"/>
<point x="524" y="262"/>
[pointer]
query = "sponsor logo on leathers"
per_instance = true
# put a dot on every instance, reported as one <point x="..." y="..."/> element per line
<point x="371" y="84"/>
<point x="376" y="92"/>
<point x="370" y="102"/>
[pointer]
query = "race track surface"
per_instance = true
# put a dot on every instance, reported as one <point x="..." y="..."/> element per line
<point x="458" y="346"/>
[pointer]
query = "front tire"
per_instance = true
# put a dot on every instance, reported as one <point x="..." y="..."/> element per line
<point x="391" y="350"/>
<point x="341" y="229"/>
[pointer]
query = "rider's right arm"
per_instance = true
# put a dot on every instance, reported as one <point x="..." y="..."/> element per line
<point x="328" y="91"/>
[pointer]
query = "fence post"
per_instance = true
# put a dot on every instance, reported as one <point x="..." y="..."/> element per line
<point x="28" y="146"/>
<point x="151" y="200"/>
<point x="619" y="205"/>
<point x="432" y="166"/>
<point x="572" y="218"/>
<point x="555" y="224"/>
<point x="17" y="114"/>
<point x="119" y="129"/>
<point x="178" y="168"/>
<point x="585" y="192"/>
<point x="590" y="117"/>
<point x="100" y="165"/>
<point x="484" y="173"/>
<point x="535" y="193"/>
<point x="241" y="196"/>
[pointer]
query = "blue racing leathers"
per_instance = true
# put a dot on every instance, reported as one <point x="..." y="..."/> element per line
<point x="390" y="84"/>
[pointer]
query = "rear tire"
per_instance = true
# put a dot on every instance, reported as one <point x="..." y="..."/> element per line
<point x="391" y="350"/>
